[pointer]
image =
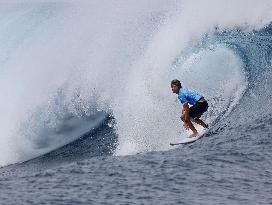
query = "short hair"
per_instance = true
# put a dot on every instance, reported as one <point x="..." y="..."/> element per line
<point x="176" y="82"/>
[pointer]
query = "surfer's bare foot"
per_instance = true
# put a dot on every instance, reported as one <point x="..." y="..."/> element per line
<point x="193" y="135"/>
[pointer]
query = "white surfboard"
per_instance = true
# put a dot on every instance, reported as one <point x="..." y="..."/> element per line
<point x="187" y="140"/>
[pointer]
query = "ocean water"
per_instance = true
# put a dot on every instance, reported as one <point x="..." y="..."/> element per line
<point x="87" y="113"/>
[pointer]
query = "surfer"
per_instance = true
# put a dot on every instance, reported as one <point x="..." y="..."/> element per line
<point x="190" y="114"/>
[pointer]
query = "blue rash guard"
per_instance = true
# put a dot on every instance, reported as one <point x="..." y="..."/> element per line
<point x="188" y="96"/>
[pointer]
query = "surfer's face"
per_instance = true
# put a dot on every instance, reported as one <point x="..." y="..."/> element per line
<point x="175" y="88"/>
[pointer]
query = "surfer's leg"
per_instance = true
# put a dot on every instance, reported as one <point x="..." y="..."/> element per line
<point x="196" y="111"/>
<point x="200" y="122"/>
<point x="192" y="127"/>
<point x="183" y="120"/>
<point x="189" y="124"/>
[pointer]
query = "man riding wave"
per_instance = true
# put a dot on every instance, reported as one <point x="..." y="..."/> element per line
<point x="190" y="114"/>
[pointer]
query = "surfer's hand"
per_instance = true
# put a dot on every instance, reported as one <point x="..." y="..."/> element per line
<point x="186" y="126"/>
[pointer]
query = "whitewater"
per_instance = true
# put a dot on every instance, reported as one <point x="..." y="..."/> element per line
<point x="87" y="112"/>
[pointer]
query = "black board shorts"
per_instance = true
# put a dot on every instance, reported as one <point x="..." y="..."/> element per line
<point x="198" y="109"/>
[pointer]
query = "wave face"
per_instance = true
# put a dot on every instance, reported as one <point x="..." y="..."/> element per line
<point x="66" y="66"/>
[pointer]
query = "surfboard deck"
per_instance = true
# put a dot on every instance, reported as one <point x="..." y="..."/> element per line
<point x="187" y="140"/>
